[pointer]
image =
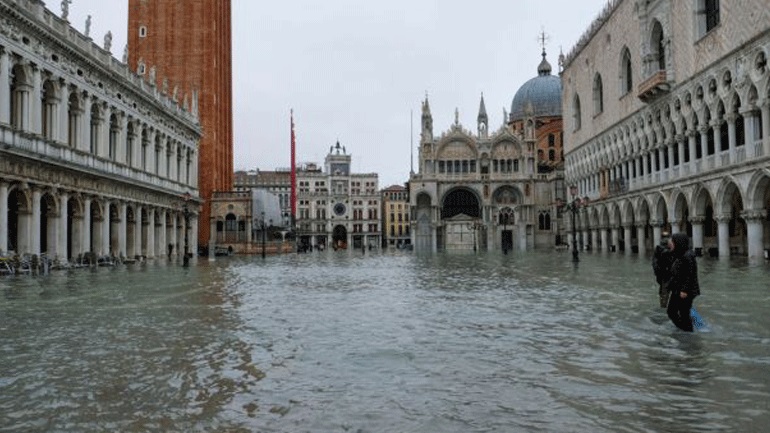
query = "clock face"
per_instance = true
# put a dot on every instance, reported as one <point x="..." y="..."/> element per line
<point x="339" y="209"/>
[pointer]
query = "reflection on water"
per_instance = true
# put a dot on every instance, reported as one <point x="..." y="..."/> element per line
<point x="382" y="342"/>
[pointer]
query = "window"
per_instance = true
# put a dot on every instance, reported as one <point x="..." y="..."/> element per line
<point x="576" y="113"/>
<point x="142" y="31"/>
<point x="658" y="46"/>
<point x="598" y="95"/>
<point x="707" y="15"/>
<point x="626" y="73"/>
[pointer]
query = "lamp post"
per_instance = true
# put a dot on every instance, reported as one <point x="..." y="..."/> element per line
<point x="186" y="212"/>
<point x="573" y="207"/>
<point x="262" y="222"/>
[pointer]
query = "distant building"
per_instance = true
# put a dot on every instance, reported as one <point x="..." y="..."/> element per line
<point x="335" y="207"/>
<point x="669" y="125"/>
<point x="93" y="157"/>
<point x="277" y="182"/>
<point x="492" y="190"/>
<point x="395" y="215"/>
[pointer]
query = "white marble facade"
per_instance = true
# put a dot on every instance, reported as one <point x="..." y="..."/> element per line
<point x="667" y="126"/>
<point x="481" y="191"/>
<point x="92" y="157"/>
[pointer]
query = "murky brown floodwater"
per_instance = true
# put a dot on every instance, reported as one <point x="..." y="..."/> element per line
<point x="392" y="342"/>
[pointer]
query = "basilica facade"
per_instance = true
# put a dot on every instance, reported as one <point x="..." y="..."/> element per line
<point x="492" y="190"/>
<point x="93" y="158"/>
<point x="667" y="106"/>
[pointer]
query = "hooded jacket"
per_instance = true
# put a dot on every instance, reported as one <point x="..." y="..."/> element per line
<point x="684" y="269"/>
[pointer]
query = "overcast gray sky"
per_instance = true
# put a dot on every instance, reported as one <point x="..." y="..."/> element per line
<point x="353" y="70"/>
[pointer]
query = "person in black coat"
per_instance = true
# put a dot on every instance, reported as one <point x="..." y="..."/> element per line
<point x="683" y="282"/>
<point x="661" y="266"/>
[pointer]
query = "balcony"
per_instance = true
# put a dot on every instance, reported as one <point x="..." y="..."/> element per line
<point x="653" y="87"/>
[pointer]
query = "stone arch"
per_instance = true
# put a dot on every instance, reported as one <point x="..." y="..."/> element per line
<point x="757" y="190"/>
<point x="461" y="200"/>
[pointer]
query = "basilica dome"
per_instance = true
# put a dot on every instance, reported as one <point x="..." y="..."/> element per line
<point x="542" y="94"/>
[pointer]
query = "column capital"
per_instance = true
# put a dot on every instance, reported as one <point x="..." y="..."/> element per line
<point x="697" y="219"/>
<point x="754" y="215"/>
<point x="722" y="219"/>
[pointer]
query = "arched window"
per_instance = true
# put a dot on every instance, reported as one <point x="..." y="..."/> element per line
<point x="21" y="88"/>
<point x="576" y="119"/>
<point x="73" y="119"/>
<point x="544" y="221"/>
<point x="598" y="94"/>
<point x="114" y="134"/>
<point x="626" y="73"/>
<point x="658" y="46"/>
<point x="50" y="102"/>
<point x="96" y="124"/>
<point x="130" y="138"/>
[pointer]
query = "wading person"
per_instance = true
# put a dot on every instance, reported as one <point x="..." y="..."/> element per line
<point x="683" y="282"/>
<point x="661" y="266"/>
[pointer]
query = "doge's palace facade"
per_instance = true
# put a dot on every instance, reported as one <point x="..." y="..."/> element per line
<point x="667" y="125"/>
<point x="93" y="158"/>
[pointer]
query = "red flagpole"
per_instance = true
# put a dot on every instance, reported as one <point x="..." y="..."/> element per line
<point x="293" y="172"/>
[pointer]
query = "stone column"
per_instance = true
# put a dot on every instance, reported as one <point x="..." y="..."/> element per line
<point x="766" y="127"/>
<point x="656" y="233"/>
<point x="675" y="227"/>
<point x="627" y="237"/>
<point x="138" y="227"/>
<point x="679" y="140"/>
<point x="35" y="103"/>
<point x="603" y="234"/>
<point x="62" y="240"/>
<point x="123" y="229"/>
<point x="213" y="236"/>
<point x="595" y="240"/>
<point x="106" y="229"/>
<point x="691" y="147"/>
<point x="755" y="232"/>
<point x="704" y="141"/>
<point x="723" y="235"/>
<point x="731" y="139"/>
<point x="87" y="247"/>
<point x="615" y="239"/>
<point x="194" y="234"/>
<point x="716" y="133"/>
<point x="35" y="228"/>
<point x="151" y="247"/>
<point x="5" y="95"/>
<point x="61" y="133"/>
<point x="749" y="117"/>
<point x="640" y="239"/>
<point x="697" y="232"/>
<point x="84" y="132"/>
<point x="3" y="204"/>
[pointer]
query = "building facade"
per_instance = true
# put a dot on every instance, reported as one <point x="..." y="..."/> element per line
<point x="276" y="182"/>
<point x="492" y="191"/>
<point x="93" y="158"/>
<point x="395" y="217"/>
<point x="337" y="208"/>
<point x="184" y="48"/>
<point x="668" y="112"/>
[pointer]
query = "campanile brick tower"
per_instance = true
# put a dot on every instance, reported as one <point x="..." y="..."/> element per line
<point x="189" y="44"/>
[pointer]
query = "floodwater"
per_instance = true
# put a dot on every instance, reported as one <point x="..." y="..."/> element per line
<point x="382" y="342"/>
